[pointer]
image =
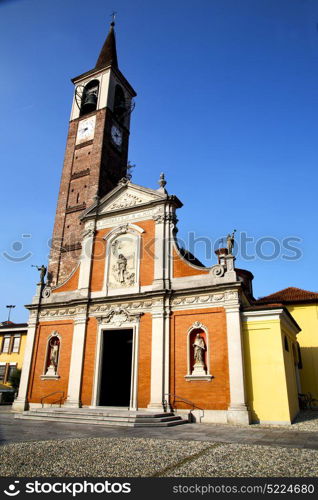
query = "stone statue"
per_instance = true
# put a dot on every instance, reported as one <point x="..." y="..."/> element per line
<point x="42" y="270"/>
<point x="230" y="242"/>
<point x="123" y="261"/>
<point x="121" y="268"/>
<point x="199" y="348"/>
<point x="53" y="356"/>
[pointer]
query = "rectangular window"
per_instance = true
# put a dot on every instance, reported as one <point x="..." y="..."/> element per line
<point x="6" y="343"/>
<point x="16" y="343"/>
<point x="11" y="370"/>
<point x="2" y="372"/>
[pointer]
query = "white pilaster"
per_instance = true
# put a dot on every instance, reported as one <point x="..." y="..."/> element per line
<point x="164" y="237"/>
<point x="159" y="271"/>
<point x="76" y="365"/>
<point x="166" y="385"/>
<point x="21" y="403"/>
<point x="158" y="356"/>
<point x="86" y="258"/>
<point x="237" y="411"/>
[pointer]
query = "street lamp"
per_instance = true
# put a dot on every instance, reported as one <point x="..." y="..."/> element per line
<point x="10" y="308"/>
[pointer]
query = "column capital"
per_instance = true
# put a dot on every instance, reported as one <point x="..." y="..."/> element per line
<point x="80" y="321"/>
<point x="232" y="308"/>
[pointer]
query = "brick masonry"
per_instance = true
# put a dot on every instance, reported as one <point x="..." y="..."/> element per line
<point x="214" y="394"/>
<point x="91" y="168"/>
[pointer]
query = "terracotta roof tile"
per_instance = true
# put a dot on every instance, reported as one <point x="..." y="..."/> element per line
<point x="288" y="296"/>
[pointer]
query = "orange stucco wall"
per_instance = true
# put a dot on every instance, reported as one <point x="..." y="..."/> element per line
<point x="70" y="285"/>
<point x="98" y="266"/>
<point x="210" y="395"/>
<point x="144" y="367"/>
<point x="181" y="268"/>
<point x="147" y="252"/>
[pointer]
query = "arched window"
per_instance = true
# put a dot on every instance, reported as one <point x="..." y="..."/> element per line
<point x="89" y="97"/>
<point x="52" y="355"/>
<point x="120" y="107"/>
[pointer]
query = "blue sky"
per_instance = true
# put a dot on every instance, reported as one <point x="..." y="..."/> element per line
<point x="227" y="107"/>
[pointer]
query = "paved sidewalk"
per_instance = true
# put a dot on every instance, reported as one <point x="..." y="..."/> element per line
<point x="13" y="431"/>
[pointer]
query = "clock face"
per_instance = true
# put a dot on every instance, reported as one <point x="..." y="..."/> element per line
<point x="117" y="135"/>
<point x="86" y="129"/>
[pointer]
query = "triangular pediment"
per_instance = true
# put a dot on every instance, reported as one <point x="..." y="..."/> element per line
<point x="130" y="197"/>
<point x="126" y="196"/>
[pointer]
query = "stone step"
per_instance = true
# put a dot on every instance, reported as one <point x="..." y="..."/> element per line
<point x="168" y="422"/>
<point x="120" y="413"/>
<point x="114" y="418"/>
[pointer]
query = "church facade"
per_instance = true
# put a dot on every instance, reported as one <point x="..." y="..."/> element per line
<point x="126" y="318"/>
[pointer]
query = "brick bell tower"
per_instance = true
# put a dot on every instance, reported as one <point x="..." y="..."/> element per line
<point x="96" y="152"/>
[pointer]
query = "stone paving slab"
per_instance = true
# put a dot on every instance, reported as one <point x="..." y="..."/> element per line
<point x="12" y="430"/>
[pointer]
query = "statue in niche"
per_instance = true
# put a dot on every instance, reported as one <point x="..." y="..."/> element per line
<point x="198" y="355"/>
<point x="123" y="263"/>
<point x="199" y="348"/>
<point x="54" y="344"/>
<point x="121" y="268"/>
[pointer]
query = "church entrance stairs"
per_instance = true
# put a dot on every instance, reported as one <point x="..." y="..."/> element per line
<point x="103" y="416"/>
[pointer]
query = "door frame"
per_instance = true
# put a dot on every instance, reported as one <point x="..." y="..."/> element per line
<point x="102" y="329"/>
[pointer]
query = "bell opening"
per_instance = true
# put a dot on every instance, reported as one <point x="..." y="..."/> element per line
<point x="90" y="97"/>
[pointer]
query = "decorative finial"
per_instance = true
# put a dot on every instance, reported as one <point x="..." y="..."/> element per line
<point x="113" y="16"/>
<point x="162" y="181"/>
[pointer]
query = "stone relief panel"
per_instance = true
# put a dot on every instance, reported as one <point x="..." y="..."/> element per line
<point x="123" y="262"/>
<point x="126" y="201"/>
<point x="117" y="316"/>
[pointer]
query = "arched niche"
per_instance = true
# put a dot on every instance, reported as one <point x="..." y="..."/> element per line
<point x="123" y="259"/>
<point x="198" y="353"/>
<point x="52" y="356"/>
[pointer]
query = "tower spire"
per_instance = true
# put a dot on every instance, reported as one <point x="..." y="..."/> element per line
<point x="108" y="54"/>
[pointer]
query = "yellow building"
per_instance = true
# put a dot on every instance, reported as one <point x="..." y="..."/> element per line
<point x="271" y="363"/>
<point x="12" y="345"/>
<point x="303" y="306"/>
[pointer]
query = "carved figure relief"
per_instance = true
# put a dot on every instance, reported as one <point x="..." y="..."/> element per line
<point x="123" y="262"/>
<point x="128" y="200"/>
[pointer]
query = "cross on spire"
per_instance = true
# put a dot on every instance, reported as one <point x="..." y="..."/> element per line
<point x="108" y="54"/>
<point x="113" y="16"/>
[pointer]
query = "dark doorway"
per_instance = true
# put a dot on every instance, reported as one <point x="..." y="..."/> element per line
<point x="116" y="368"/>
